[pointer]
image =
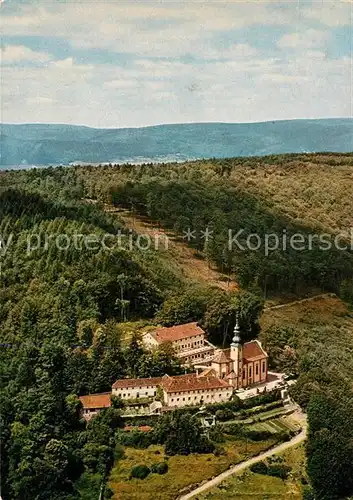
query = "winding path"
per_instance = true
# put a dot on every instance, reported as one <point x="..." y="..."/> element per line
<point x="244" y="465"/>
<point x="301" y="301"/>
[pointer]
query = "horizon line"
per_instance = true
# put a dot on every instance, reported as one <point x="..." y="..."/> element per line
<point x="176" y="123"/>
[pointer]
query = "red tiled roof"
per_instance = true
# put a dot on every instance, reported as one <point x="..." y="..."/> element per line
<point x="93" y="401"/>
<point x="221" y="357"/>
<point x="252" y="350"/>
<point x="179" y="332"/>
<point x="136" y="382"/>
<point x="193" y="382"/>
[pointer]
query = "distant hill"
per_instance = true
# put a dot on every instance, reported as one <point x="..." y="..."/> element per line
<point x="40" y="144"/>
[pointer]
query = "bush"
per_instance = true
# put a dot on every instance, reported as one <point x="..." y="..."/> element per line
<point x="136" y="439"/>
<point x="139" y="471"/>
<point x="219" y="450"/>
<point x="259" y="468"/>
<point x="283" y="436"/>
<point x="224" y="415"/>
<point x="159" y="468"/>
<point x="234" y="429"/>
<point x="216" y="434"/>
<point x="258" y="435"/>
<point x="234" y="405"/>
<point x="119" y="452"/>
<point x="279" y="470"/>
<point x="262" y="399"/>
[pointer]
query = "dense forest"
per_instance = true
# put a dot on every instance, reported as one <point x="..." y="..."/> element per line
<point x="64" y="298"/>
<point x="283" y="196"/>
<point x="60" y="309"/>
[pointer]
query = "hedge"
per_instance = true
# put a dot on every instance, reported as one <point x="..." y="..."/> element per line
<point x="275" y="470"/>
<point x="259" y="468"/>
<point x="140" y="471"/>
<point x="136" y="439"/>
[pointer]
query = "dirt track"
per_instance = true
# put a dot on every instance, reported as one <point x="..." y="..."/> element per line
<point x="244" y="465"/>
<point x="183" y="255"/>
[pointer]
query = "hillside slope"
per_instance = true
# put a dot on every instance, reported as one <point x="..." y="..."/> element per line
<point x="274" y="197"/>
<point x="41" y="144"/>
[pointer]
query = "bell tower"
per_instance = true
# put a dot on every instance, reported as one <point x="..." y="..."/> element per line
<point x="236" y="351"/>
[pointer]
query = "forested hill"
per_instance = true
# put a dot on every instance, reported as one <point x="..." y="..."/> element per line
<point x="75" y="294"/>
<point x="279" y="196"/>
<point x="40" y="144"/>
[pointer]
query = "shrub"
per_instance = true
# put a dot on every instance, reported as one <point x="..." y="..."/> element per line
<point x="234" y="405"/>
<point x="279" y="470"/>
<point x="119" y="452"/>
<point x="258" y="435"/>
<point x="259" y="468"/>
<point x="216" y="434"/>
<point x="262" y="399"/>
<point x="219" y="450"/>
<point x="139" y="471"/>
<point x="233" y="429"/>
<point x="283" y="436"/>
<point x="159" y="468"/>
<point x="224" y="415"/>
<point x="136" y="439"/>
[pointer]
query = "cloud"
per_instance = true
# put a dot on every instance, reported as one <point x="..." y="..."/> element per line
<point x="332" y="13"/>
<point x="151" y="91"/>
<point x="161" y="29"/>
<point x="181" y="62"/>
<point x="235" y="51"/>
<point x="19" y="53"/>
<point x="309" y="39"/>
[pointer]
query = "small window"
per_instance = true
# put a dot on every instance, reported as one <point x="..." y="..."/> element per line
<point x="257" y="369"/>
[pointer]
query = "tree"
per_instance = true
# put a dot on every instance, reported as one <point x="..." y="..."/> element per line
<point x="133" y="355"/>
<point x="182" y="434"/>
<point x="330" y="446"/>
<point x="222" y="312"/>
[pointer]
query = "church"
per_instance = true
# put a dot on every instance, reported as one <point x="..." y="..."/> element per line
<point x="243" y="364"/>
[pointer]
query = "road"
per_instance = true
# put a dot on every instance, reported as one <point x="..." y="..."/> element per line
<point x="244" y="465"/>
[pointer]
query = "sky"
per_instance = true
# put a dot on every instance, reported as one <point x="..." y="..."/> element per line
<point x="108" y="63"/>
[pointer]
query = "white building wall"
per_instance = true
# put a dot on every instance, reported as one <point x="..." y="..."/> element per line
<point x="149" y="341"/>
<point x="209" y="396"/>
<point x="143" y="391"/>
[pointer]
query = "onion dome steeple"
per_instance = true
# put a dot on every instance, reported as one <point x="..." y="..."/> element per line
<point x="236" y="334"/>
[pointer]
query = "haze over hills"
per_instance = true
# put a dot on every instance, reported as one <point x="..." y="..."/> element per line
<point x="41" y="144"/>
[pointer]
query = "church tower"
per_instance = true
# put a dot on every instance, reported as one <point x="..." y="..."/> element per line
<point x="236" y="352"/>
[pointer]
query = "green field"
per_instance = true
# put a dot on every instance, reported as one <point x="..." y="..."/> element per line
<point x="248" y="485"/>
<point x="183" y="471"/>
